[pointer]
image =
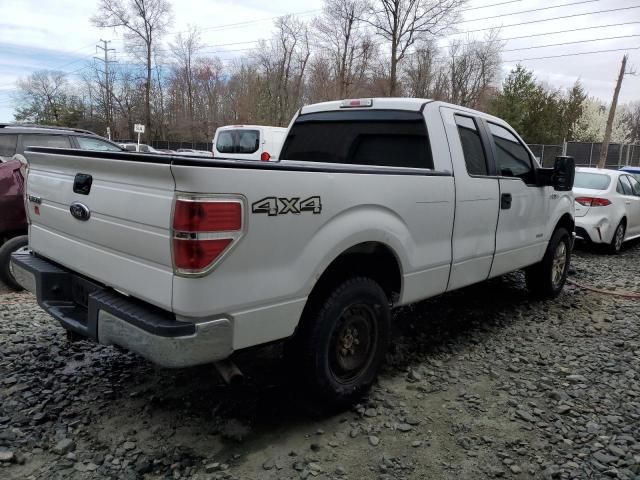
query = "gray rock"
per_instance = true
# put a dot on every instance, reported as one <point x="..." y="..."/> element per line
<point x="64" y="446"/>
<point x="524" y="415"/>
<point x="617" y="451"/>
<point x="7" y="456"/>
<point x="605" y="458"/>
<point x="373" y="440"/>
<point x="405" y="427"/>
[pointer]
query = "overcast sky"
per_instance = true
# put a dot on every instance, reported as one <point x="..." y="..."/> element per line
<point x="58" y="35"/>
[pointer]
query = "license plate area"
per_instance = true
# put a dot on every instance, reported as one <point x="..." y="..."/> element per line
<point x="81" y="289"/>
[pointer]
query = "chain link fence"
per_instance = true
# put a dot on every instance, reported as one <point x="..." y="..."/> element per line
<point x="588" y="154"/>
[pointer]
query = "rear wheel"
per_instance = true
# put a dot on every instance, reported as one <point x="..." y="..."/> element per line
<point x="618" y="238"/>
<point x="342" y="341"/>
<point x="547" y="278"/>
<point x="12" y="245"/>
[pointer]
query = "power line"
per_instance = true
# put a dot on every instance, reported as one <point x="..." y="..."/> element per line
<point x="492" y="5"/>
<point x="571" y="43"/>
<point x="550" y="19"/>
<point x="556" y="32"/>
<point x="572" y="54"/>
<point x="527" y="11"/>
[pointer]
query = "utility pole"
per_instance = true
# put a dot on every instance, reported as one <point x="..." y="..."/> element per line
<point x="612" y="113"/>
<point x="105" y="48"/>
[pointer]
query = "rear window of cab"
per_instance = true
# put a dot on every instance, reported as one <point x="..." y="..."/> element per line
<point x="394" y="138"/>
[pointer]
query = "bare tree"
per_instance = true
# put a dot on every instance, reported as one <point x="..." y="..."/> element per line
<point x="403" y="22"/>
<point x="44" y="97"/>
<point x="422" y="71"/>
<point x="473" y="66"/>
<point x="143" y="22"/>
<point x="283" y="62"/>
<point x="184" y="51"/>
<point x="342" y="38"/>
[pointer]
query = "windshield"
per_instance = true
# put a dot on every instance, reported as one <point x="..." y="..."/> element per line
<point x="592" y="181"/>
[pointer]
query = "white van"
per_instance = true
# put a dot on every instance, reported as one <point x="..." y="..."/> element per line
<point x="248" y="142"/>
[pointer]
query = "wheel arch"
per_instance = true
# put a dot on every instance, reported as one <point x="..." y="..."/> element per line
<point x="565" y="221"/>
<point x="372" y="259"/>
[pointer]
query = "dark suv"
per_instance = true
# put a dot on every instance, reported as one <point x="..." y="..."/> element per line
<point x="14" y="139"/>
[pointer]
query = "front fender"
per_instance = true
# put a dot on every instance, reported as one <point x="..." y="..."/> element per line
<point x="560" y="206"/>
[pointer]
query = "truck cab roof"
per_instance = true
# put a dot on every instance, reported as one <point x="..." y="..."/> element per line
<point x="408" y="104"/>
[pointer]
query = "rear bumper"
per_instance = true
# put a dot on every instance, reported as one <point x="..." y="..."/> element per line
<point x="103" y="315"/>
<point x="595" y="228"/>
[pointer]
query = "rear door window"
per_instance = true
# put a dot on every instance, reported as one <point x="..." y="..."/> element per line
<point x="53" y="141"/>
<point x="635" y="186"/>
<point x="238" y="141"/>
<point x="363" y="137"/>
<point x="474" y="156"/>
<point x="88" y="143"/>
<point x="8" y="145"/>
<point x="626" y="186"/>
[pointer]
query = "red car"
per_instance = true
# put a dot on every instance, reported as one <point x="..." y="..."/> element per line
<point x="13" y="221"/>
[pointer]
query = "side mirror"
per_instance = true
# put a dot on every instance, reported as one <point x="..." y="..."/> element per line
<point x="564" y="172"/>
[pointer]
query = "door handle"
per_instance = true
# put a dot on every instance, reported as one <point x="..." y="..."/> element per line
<point x="628" y="202"/>
<point x="505" y="201"/>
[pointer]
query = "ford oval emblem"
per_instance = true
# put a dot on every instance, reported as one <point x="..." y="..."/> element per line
<point x="80" y="211"/>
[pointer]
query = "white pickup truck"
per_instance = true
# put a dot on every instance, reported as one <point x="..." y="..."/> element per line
<point x="375" y="203"/>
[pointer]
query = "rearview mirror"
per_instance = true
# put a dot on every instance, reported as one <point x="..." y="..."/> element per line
<point x="564" y="172"/>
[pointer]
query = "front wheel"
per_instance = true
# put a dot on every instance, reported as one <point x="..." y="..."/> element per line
<point x="547" y="278"/>
<point x="12" y="245"/>
<point x="342" y="341"/>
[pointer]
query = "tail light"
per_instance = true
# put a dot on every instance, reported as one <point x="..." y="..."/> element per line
<point x="265" y="157"/>
<point x="204" y="230"/>
<point x="593" y="201"/>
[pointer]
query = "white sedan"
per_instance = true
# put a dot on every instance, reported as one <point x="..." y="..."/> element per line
<point x="607" y="206"/>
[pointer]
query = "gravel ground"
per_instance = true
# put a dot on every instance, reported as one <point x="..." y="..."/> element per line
<point x="480" y="383"/>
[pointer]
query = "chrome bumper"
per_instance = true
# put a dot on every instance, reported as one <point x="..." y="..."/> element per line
<point x="110" y="318"/>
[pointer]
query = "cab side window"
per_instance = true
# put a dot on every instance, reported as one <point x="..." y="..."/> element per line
<point x="512" y="158"/>
<point x="472" y="148"/>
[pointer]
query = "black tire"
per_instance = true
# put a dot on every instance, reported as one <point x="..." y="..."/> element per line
<point x="6" y="250"/>
<point x="337" y="362"/>
<point x="618" y="238"/>
<point x="547" y="278"/>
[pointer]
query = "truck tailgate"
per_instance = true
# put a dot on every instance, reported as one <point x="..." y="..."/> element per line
<point x="125" y="242"/>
